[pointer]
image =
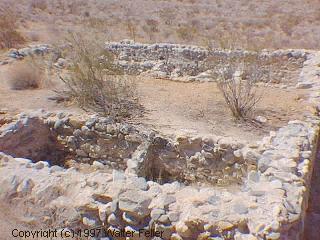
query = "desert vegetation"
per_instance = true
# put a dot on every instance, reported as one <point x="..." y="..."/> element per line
<point x="268" y="24"/>
<point x="237" y="82"/>
<point x="95" y="81"/>
<point x="186" y="33"/>
<point x="151" y="28"/>
<point x="27" y="74"/>
<point x="9" y="34"/>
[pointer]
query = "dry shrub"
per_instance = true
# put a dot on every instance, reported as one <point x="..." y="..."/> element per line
<point x="95" y="81"/>
<point x="74" y="7"/>
<point x="238" y="39"/>
<point x="65" y="8"/>
<point x="168" y="15"/>
<point x="96" y="23"/>
<point x="237" y="82"/>
<point x="289" y="23"/>
<point x="186" y="33"/>
<point x="151" y="27"/>
<point x="39" y="4"/>
<point x="228" y="40"/>
<point x="86" y="13"/>
<point x="26" y="75"/>
<point x="34" y="36"/>
<point x="131" y="27"/>
<point x="9" y="35"/>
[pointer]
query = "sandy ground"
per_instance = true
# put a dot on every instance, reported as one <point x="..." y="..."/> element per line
<point x="28" y="100"/>
<point x="199" y="108"/>
<point x="174" y="107"/>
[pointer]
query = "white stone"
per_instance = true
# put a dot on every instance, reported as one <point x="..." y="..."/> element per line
<point x="98" y="165"/>
<point x="88" y="222"/>
<point x="254" y="176"/>
<point x="261" y="119"/>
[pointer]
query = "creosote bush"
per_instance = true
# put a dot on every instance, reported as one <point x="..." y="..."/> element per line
<point x="237" y="82"/>
<point x="9" y="35"/>
<point x="96" y="82"/>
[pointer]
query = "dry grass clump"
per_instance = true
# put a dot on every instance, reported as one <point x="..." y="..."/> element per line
<point x="168" y="15"/>
<point x="95" y="81"/>
<point x="33" y="36"/>
<point x="25" y="75"/>
<point x="39" y="4"/>
<point x="288" y="24"/>
<point x="131" y="29"/>
<point x="151" y="27"/>
<point x="9" y="35"/>
<point x="237" y="82"/>
<point x="186" y="33"/>
<point x="96" y="23"/>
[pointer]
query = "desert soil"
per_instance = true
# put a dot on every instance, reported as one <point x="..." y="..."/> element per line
<point x="27" y="100"/>
<point x="199" y="108"/>
<point x="176" y="107"/>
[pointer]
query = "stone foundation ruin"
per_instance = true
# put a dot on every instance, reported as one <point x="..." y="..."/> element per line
<point x="193" y="63"/>
<point x="124" y="147"/>
<point x="91" y="172"/>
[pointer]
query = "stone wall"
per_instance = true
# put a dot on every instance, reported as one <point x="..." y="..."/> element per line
<point x="186" y="62"/>
<point x="190" y="63"/>
<point x="122" y="146"/>
<point x="269" y="205"/>
<point x="93" y="198"/>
